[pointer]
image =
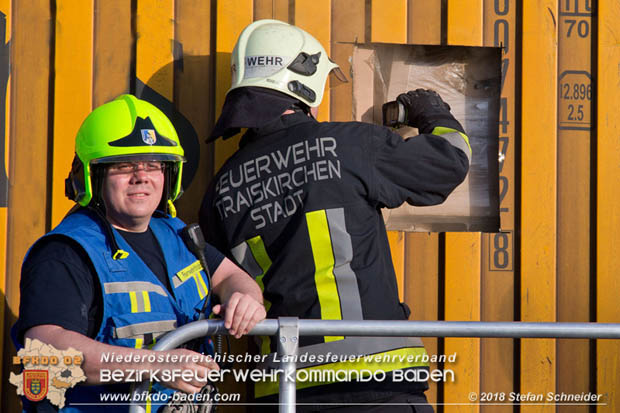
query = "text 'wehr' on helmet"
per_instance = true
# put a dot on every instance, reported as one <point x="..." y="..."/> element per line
<point x="276" y="55"/>
<point x="126" y="129"/>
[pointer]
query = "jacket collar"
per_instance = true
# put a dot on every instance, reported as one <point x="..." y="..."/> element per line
<point x="277" y="125"/>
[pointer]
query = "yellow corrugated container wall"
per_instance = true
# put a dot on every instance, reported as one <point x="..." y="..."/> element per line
<point x="559" y="157"/>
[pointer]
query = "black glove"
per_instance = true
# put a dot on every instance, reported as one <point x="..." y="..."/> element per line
<point x="426" y="110"/>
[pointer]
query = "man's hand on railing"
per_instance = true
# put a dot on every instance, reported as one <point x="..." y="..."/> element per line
<point x="241" y="313"/>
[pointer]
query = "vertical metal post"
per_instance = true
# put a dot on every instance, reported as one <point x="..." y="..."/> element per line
<point x="288" y="346"/>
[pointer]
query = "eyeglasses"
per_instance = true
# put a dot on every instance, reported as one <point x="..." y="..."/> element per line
<point x="131" y="167"/>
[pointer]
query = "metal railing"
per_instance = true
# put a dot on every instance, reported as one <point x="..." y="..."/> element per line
<point x="288" y="330"/>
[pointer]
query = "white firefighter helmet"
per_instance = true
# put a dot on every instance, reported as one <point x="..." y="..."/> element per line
<point x="276" y="55"/>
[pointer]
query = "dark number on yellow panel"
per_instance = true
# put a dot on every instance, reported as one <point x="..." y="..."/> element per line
<point x="575" y="112"/>
<point x="581" y="27"/>
<point x="502" y="7"/>
<point x="577" y="14"/>
<point x="576" y="91"/>
<point x="575" y="95"/>
<point x="573" y="6"/>
<point x="501" y="35"/>
<point x="504" y="183"/>
<point x="500" y="251"/>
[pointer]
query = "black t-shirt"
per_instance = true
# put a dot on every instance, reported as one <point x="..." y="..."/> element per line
<point x="59" y="284"/>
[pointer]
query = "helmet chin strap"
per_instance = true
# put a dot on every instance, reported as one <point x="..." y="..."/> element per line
<point x="97" y="206"/>
<point x="166" y="204"/>
<point x="171" y="209"/>
<point x="117" y="252"/>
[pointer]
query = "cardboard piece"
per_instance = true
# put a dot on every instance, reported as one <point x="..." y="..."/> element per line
<point x="469" y="80"/>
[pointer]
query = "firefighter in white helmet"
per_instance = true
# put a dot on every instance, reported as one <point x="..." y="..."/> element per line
<point x="298" y="207"/>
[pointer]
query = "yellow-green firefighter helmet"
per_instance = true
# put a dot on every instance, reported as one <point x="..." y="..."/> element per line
<point x="125" y="129"/>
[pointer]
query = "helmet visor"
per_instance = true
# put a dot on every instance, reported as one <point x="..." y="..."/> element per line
<point x="140" y="157"/>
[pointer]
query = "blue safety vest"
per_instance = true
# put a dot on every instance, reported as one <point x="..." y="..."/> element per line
<point x="137" y="308"/>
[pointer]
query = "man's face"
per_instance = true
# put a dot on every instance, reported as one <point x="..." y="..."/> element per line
<point x="314" y="112"/>
<point x="131" y="192"/>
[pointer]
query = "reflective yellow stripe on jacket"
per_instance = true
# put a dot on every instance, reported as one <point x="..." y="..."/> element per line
<point x="252" y="256"/>
<point x="324" y="279"/>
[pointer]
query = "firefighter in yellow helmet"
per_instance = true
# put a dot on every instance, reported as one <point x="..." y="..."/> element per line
<point x="115" y="274"/>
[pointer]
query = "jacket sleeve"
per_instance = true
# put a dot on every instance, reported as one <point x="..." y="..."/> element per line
<point x="210" y="222"/>
<point x="421" y="170"/>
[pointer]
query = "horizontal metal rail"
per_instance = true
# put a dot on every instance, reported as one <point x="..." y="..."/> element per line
<point x="503" y="329"/>
<point x="374" y="328"/>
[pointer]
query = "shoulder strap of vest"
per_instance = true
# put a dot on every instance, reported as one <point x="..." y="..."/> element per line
<point x="92" y="218"/>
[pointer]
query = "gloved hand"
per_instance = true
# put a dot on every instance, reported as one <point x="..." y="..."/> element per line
<point x="426" y="110"/>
